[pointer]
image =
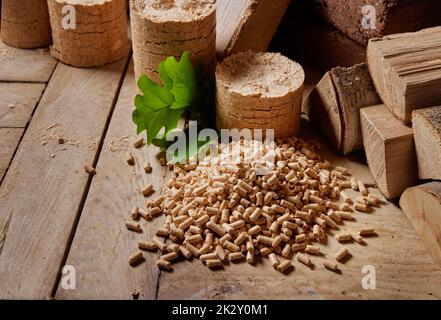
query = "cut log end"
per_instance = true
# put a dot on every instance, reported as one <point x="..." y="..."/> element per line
<point x="427" y="129"/>
<point x="390" y="150"/>
<point x="422" y="206"/>
<point x="335" y="103"/>
<point x="404" y="81"/>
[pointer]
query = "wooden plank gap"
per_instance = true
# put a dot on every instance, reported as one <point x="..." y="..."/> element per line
<point x="89" y="181"/>
<point x="45" y="182"/>
<point x="4" y="171"/>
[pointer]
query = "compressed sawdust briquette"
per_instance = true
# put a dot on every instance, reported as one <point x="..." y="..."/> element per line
<point x="168" y="28"/>
<point x="259" y="91"/>
<point x="25" y="23"/>
<point x="98" y="37"/>
<point x="235" y="224"/>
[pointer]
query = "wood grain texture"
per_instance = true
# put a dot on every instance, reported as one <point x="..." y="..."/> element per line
<point x="406" y="70"/>
<point x="403" y="268"/>
<point x="247" y="24"/>
<point x="324" y="110"/>
<point x="25" y="65"/>
<point x="17" y="103"/>
<point x="427" y="130"/>
<point x="390" y="150"/>
<point x="355" y="90"/>
<point x="102" y="268"/>
<point x="341" y="94"/>
<point x="43" y="189"/>
<point x="422" y="206"/>
<point x="10" y="138"/>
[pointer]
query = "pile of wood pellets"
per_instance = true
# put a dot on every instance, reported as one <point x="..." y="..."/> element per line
<point x="219" y="212"/>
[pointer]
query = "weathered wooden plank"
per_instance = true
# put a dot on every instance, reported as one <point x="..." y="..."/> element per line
<point x="403" y="267"/>
<point x="43" y="189"/>
<point x="17" y="103"/>
<point x="102" y="268"/>
<point x="10" y="138"/>
<point x="25" y="65"/>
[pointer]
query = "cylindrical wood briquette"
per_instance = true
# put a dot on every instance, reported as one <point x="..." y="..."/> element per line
<point x="168" y="28"/>
<point x="259" y="91"/>
<point x="25" y="24"/>
<point x="98" y="37"/>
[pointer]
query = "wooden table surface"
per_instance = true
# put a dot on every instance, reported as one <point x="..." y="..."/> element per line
<point x="53" y="214"/>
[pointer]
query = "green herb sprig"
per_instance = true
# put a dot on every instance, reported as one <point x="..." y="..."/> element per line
<point x="160" y="106"/>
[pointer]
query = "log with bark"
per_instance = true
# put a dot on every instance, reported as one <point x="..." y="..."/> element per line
<point x="335" y="102"/>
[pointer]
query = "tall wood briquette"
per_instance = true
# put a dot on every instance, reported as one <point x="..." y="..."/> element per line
<point x="168" y="28"/>
<point x="259" y="91"/>
<point x="98" y="37"/>
<point x="25" y="23"/>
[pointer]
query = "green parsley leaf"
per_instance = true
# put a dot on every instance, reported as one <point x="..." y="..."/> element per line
<point x="162" y="106"/>
<point x="185" y="87"/>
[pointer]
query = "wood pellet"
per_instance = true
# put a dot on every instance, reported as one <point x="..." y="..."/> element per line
<point x="330" y="265"/>
<point x="138" y="143"/>
<point x="341" y="254"/>
<point x="89" y="169"/>
<point x="148" y="190"/>
<point x="130" y="159"/>
<point x="136" y="258"/>
<point x="133" y="226"/>
<point x="147" y="167"/>
<point x="227" y="213"/>
<point x="367" y="231"/>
